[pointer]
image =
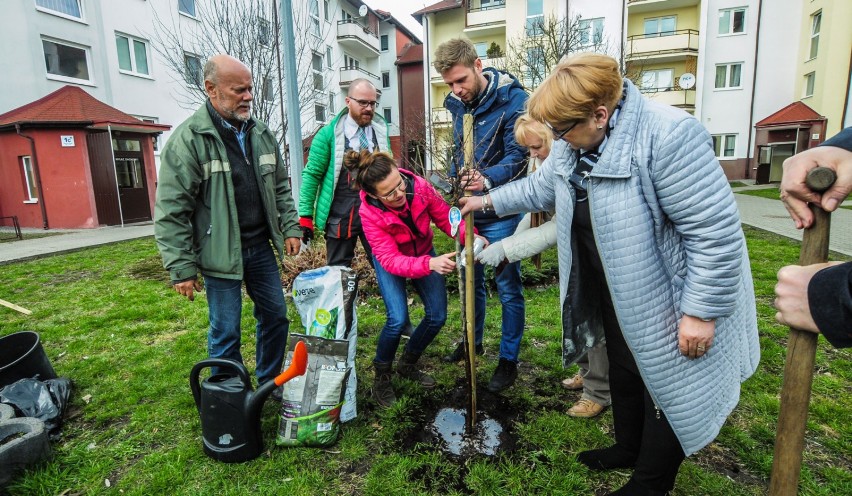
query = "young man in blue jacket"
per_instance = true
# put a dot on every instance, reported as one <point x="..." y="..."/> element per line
<point x="495" y="99"/>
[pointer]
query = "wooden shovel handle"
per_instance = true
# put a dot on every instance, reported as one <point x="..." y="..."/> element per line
<point x="801" y="353"/>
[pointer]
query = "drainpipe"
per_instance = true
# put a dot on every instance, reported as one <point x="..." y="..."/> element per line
<point x="115" y="173"/>
<point x="37" y="175"/>
<point x="750" y="148"/>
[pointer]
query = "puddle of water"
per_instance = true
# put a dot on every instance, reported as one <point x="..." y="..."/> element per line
<point x="449" y="426"/>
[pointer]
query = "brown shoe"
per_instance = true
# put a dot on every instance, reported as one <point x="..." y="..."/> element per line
<point x="586" y="408"/>
<point x="573" y="383"/>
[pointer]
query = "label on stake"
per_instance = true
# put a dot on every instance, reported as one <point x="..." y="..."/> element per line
<point x="455" y="219"/>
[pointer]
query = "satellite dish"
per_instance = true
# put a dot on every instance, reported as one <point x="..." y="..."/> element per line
<point x="362" y="10"/>
<point x="686" y="80"/>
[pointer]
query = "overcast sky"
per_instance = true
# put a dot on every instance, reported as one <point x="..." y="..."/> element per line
<point x="401" y="10"/>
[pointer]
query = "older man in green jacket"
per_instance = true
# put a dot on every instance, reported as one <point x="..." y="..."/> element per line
<point x="223" y="202"/>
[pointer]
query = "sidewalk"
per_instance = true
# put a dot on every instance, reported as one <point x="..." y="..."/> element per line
<point x="72" y="240"/>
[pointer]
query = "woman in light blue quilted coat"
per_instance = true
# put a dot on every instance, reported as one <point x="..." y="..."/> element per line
<point x="651" y="256"/>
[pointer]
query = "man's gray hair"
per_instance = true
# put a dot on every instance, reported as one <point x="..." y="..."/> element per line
<point x="358" y="82"/>
<point x="211" y="71"/>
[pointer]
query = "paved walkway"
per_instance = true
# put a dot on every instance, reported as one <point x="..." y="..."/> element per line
<point x="763" y="213"/>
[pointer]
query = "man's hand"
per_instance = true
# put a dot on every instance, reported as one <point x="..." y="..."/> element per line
<point x="473" y="181"/>
<point x="443" y="264"/>
<point x="795" y="193"/>
<point x="695" y="336"/>
<point x="187" y="288"/>
<point x="791" y="295"/>
<point x="293" y="245"/>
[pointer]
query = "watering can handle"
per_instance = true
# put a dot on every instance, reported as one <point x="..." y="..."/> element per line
<point x="215" y="362"/>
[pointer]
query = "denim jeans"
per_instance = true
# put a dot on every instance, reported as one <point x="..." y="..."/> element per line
<point x="509" y="288"/>
<point x="433" y="293"/>
<point x="224" y="299"/>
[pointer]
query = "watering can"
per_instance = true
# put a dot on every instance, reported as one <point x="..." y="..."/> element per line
<point x="230" y="409"/>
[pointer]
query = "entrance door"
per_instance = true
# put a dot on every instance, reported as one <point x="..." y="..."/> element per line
<point x="780" y="153"/>
<point x="130" y="176"/>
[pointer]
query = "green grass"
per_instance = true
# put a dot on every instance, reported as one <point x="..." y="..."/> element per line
<point x="110" y="322"/>
<point x="737" y="184"/>
<point x="771" y="193"/>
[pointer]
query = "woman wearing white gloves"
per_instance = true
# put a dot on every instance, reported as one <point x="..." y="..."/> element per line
<point x="593" y="377"/>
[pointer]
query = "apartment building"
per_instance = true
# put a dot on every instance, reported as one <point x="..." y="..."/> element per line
<point x="494" y="26"/>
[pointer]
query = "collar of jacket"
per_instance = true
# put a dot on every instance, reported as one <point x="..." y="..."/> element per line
<point x="616" y="158"/>
<point x="201" y="122"/>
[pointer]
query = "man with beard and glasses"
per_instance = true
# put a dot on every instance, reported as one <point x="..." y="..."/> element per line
<point x="223" y="203"/>
<point x="495" y="100"/>
<point x="327" y="201"/>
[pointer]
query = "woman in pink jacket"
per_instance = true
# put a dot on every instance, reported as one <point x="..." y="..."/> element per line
<point x="397" y="208"/>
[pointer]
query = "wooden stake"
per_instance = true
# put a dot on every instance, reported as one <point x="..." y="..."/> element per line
<point x="15" y="307"/>
<point x="801" y="353"/>
<point x="467" y="141"/>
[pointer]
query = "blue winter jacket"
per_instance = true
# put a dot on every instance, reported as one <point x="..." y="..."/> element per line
<point x="496" y="154"/>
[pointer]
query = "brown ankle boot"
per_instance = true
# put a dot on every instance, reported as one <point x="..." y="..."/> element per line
<point x="382" y="387"/>
<point x="407" y="367"/>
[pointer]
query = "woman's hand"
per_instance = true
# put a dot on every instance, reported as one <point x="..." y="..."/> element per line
<point x="443" y="264"/>
<point x="470" y="204"/>
<point x="695" y="336"/>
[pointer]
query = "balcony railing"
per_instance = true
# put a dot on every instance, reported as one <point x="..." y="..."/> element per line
<point x="672" y="95"/>
<point x="361" y="39"/>
<point x="665" y="43"/>
<point x="349" y="74"/>
<point x="440" y="115"/>
<point x="486" y="14"/>
<point x="480" y="5"/>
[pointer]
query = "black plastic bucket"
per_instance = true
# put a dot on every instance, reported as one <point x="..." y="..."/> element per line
<point x="21" y="356"/>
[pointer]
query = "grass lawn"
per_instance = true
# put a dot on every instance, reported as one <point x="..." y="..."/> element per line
<point x="737" y="184"/>
<point x="772" y="194"/>
<point x="109" y="321"/>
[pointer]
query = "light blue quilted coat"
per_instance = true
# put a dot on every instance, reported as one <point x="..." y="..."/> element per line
<point x="669" y="236"/>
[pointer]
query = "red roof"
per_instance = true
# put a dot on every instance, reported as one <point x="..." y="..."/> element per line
<point x="442" y="5"/>
<point x="72" y="105"/>
<point x="411" y="54"/>
<point x="795" y="112"/>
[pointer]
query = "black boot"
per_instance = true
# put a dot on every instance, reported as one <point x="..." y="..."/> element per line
<point x="458" y="354"/>
<point x="407" y="367"/>
<point x="504" y="375"/>
<point x="382" y="387"/>
<point x="633" y="488"/>
<point x="607" y="458"/>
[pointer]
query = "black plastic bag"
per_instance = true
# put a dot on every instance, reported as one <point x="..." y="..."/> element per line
<point x="44" y="400"/>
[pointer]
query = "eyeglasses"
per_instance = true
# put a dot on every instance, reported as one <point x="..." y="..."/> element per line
<point x="558" y="135"/>
<point x="399" y="188"/>
<point x="365" y="103"/>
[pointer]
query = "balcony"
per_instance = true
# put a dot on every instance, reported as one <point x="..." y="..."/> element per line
<point x="359" y="40"/>
<point x="674" y="96"/>
<point x="486" y="18"/>
<point x="441" y="117"/>
<point x="349" y="74"/>
<point x="641" y="6"/>
<point x="662" y="47"/>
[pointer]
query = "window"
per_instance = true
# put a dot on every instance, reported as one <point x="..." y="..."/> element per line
<point x="315" y="20"/>
<point x="29" y="180"/>
<point x="316" y="66"/>
<point x="386" y="79"/>
<point x="268" y="89"/>
<point x="331" y="97"/>
<point x="329" y="58"/>
<point x="132" y="54"/>
<point x="481" y="50"/>
<point x="384" y="40"/>
<point x="816" y="21"/>
<point x="350" y="62"/>
<point x="326" y="11"/>
<point x="732" y="21"/>
<point x="187" y="7"/>
<point x="535" y="17"/>
<point x="69" y="8"/>
<point x="155" y="138"/>
<point x="319" y="112"/>
<point x="387" y="114"/>
<point x="810" y="79"/>
<point x="724" y="145"/>
<point x="66" y="62"/>
<point x="264" y="32"/>
<point x="728" y="75"/>
<point x="660" y="26"/>
<point x="658" y="80"/>
<point x="193" y="72"/>
<point x="591" y="31"/>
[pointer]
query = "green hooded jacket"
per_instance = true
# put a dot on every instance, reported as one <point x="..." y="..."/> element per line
<point x="195" y="215"/>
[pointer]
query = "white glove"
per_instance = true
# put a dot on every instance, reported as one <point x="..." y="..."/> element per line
<point x="524" y="224"/>
<point x="493" y="255"/>
<point x="478" y="243"/>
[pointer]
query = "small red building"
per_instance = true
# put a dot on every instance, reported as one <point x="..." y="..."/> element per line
<point x="69" y="160"/>
<point x="791" y="130"/>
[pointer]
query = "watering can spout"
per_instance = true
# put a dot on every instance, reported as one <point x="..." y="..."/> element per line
<point x="298" y="366"/>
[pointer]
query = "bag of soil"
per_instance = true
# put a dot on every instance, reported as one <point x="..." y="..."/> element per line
<point x="326" y="299"/>
<point x="311" y="404"/>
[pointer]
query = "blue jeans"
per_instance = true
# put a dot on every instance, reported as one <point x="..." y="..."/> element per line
<point x="433" y="292"/>
<point x="509" y="288"/>
<point x="224" y="299"/>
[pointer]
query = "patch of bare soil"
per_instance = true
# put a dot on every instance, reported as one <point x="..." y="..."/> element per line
<point x="721" y="460"/>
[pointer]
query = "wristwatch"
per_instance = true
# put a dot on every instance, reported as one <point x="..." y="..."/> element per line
<point x="486" y="182"/>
